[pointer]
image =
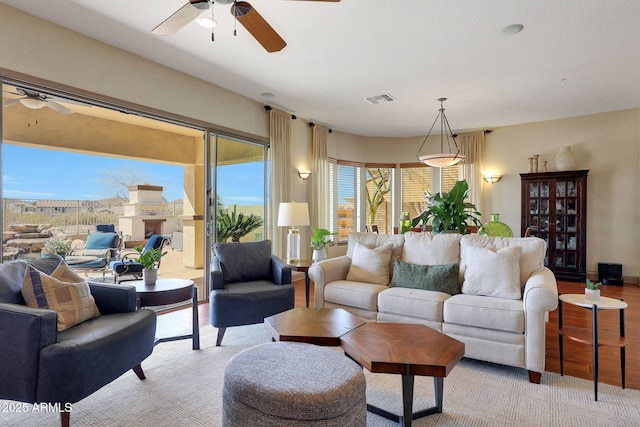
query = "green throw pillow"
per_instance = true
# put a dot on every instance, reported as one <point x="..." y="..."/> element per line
<point x="441" y="278"/>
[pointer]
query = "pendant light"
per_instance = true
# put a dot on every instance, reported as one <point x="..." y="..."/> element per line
<point x="442" y="159"/>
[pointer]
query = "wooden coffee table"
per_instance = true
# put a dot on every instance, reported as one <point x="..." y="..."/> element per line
<point x="389" y="348"/>
<point x="319" y="326"/>
<point x="407" y="350"/>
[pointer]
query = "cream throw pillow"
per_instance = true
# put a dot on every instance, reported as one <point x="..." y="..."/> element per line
<point x="370" y="265"/>
<point x="431" y="249"/>
<point x="493" y="273"/>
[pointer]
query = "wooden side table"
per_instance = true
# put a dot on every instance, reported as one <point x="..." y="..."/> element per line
<point x="303" y="265"/>
<point x="171" y="291"/>
<point x="590" y="337"/>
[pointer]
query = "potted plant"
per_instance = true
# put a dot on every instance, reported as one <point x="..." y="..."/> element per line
<point x="319" y="240"/>
<point x="150" y="260"/>
<point x="448" y="211"/>
<point x="592" y="291"/>
<point x="55" y="246"/>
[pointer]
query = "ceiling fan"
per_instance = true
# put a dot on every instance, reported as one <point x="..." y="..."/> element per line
<point x="36" y="100"/>
<point x="242" y="10"/>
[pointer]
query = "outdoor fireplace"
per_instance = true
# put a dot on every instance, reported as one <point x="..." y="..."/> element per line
<point x="146" y="213"/>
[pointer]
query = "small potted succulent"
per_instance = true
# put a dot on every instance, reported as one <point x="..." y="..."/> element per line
<point x="150" y="260"/>
<point x="592" y="291"/>
<point x="55" y="246"/>
<point x="319" y="240"/>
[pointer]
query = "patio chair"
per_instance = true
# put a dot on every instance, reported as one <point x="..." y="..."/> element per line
<point x="126" y="266"/>
<point x="100" y="249"/>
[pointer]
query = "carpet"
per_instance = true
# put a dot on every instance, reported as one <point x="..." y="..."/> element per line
<point x="184" y="388"/>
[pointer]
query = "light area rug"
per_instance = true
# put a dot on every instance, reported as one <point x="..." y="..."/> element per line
<point x="184" y="388"/>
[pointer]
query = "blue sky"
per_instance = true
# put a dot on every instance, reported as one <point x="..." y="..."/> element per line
<point x="30" y="173"/>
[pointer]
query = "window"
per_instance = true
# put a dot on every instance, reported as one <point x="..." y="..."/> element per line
<point x="449" y="176"/>
<point x="416" y="179"/>
<point x="344" y="194"/>
<point x="379" y="182"/>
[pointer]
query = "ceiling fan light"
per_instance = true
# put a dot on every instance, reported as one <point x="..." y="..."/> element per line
<point x="206" y="22"/>
<point x="33" y="103"/>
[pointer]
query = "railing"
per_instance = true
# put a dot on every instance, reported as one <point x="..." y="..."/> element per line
<point x="72" y="216"/>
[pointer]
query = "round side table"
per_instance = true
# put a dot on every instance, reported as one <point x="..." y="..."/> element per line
<point x="590" y="336"/>
<point x="170" y="291"/>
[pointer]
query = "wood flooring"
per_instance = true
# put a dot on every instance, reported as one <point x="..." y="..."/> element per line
<point x="578" y="357"/>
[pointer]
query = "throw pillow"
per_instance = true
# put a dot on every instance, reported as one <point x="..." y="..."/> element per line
<point x="370" y="265"/>
<point x="71" y="300"/>
<point x="493" y="273"/>
<point x="440" y="278"/>
<point x="431" y="249"/>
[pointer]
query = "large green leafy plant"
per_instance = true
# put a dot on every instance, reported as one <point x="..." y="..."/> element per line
<point x="448" y="211"/>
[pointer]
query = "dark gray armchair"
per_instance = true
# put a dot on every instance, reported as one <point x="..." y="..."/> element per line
<point x="38" y="364"/>
<point x="248" y="284"/>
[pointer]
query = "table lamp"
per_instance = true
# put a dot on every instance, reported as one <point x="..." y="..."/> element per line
<point x="293" y="215"/>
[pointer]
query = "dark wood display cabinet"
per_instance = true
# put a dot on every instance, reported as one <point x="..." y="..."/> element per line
<point x="554" y="208"/>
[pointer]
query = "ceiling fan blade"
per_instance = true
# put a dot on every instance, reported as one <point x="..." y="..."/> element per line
<point x="58" y="107"/>
<point x="11" y="102"/>
<point x="181" y="17"/>
<point x="258" y="27"/>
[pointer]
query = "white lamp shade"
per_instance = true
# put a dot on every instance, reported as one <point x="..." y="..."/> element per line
<point x="293" y="214"/>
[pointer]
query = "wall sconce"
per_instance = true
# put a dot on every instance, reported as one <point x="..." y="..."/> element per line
<point x="304" y="174"/>
<point x="492" y="179"/>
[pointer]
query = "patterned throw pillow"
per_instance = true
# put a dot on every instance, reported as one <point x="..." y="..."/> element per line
<point x="63" y="291"/>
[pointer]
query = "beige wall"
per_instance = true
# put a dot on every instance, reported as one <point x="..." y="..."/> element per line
<point x="607" y="144"/>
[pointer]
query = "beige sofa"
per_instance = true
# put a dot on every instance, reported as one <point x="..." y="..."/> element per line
<point x="505" y="290"/>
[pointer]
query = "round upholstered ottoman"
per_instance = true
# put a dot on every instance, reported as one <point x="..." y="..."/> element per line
<point x="293" y="384"/>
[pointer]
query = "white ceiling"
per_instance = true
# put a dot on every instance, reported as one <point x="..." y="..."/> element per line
<point x="574" y="57"/>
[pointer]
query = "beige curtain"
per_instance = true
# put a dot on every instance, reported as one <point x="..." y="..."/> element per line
<point x="472" y="147"/>
<point x="280" y="141"/>
<point x="319" y="177"/>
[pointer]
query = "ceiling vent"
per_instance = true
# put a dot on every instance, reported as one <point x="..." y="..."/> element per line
<point x="380" y="99"/>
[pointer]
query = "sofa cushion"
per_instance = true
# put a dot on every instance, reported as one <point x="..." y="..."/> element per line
<point x="431" y="249"/>
<point x="63" y="291"/>
<point x="485" y="312"/>
<point x="531" y="260"/>
<point x="374" y="240"/>
<point x="370" y="265"/>
<point x="244" y="262"/>
<point x="440" y="278"/>
<point x="353" y="294"/>
<point x="493" y="273"/>
<point x="413" y="303"/>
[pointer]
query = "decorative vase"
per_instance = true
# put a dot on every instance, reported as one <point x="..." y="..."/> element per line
<point x="536" y="159"/>
<point x="319" y="255"/>
<point x="592" y="294"/>
<point x="495" y="228"/>
<point x="565" y="159"/>
<point x="149" y="275"/>
<point x="405" y="223"/>
<point x="530" y="164"/>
